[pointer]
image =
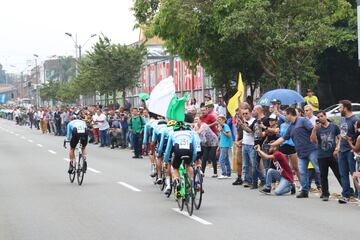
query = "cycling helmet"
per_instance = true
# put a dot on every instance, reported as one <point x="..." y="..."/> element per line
<point x="171" y="123"/>
<point x="181" y="126"/>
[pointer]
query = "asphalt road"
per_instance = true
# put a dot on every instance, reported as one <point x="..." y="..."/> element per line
<point x="37" y="201"/>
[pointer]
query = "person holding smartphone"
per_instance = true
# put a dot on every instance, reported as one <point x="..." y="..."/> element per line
<point x="283" y="173"/>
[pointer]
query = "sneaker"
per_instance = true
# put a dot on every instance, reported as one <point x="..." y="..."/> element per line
<point x="222" y="177"/>
<point x="265" y="191"/>
<point x="246" y="185"/>
<point x="159" y="181"/>
<point x="293" y="189"/>
<point x="238" y="181"/>
<point x="71" y="168"/>
<point x="135" y="157"/>
<point x="325" y="198"/>
<point x="262" y="183"/>
<point x="343" y="200"/>
<point x="302" y="195"/>
<point x="253" y="186"/>
<point x="228" y="177"/>
<point x="167" y="190"/>
<point x="214" y="176"/>
<point x="153" y="171"/>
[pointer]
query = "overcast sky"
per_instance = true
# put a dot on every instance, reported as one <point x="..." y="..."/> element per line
<point x="39" y="26"/>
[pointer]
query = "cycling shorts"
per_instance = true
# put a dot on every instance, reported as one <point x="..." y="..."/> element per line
<point x="76" y="137"/>
<point x="179" y="153"/>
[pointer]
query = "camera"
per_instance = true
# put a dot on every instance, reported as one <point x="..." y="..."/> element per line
<point x="266" y="147"/>
<point x="317" y="121"/>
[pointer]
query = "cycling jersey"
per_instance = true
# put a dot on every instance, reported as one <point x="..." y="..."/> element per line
<point x="149" y="126"/>
<point x="164" y="136"/>
<point x="184" y="140"/>
<point x="77" y="124"/>
<point x="157" y="129"/>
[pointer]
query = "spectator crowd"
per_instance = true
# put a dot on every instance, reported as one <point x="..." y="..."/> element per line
<point x="276" y="148"/>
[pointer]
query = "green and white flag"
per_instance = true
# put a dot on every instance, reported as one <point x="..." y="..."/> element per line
<point x="163" y="101"/>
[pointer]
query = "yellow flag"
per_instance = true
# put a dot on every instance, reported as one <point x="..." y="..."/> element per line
<point x="238" y="97"/>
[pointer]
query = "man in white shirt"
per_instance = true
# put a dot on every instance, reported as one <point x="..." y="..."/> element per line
<point x="103" y="127"/>
<point x="220" y="107"/>
<point x="248" y="151"/>
<point x="309" y="114"/>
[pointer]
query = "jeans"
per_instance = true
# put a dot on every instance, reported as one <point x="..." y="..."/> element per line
<point x="209" y="154"/>
<point x="224" y="161"/>
<point x="248" y="156"/>
<point x="137" y="141"/>
<point x="256" y="172"/>
<point x="324" y="164"/>
<point x="346" y="165"/>
<point x="303" y="168"/>
<point x="124" y="136"/>
<point x="103" y="137"/>
<point x="284" y="185"/>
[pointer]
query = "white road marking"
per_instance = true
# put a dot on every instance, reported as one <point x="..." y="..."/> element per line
<point x="51" y="151"/>
<point x="39" y="145"/>
<point x="93" y="170"/>
<point x="66" y="159"/>
<point x="23" y="137"/>
<point x="30" y="141"/>
<point x="129" y="187"/>
<point x="193" y="217"/>
<point x="16" y="134"/>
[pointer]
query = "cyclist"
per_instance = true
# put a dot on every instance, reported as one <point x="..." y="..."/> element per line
<point x="164" y="136"/>
<point x="148" y="130"/>
<point x="183" y="144"/>
<point x="76" y="131"/>
<point x="155" y="139"/>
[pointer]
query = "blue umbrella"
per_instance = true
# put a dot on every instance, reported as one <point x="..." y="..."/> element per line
<point x="286" y="96"/>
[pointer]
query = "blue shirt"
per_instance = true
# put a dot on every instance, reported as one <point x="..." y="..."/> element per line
<point x="283" y="128"/>
<point x="225" y="142"/>
<point x="164" y="136"/>
<point x="157" y="130"/>
<point x="300" y="132"/>
<point x="80" y="125"/>
<point x="184" y="138"/>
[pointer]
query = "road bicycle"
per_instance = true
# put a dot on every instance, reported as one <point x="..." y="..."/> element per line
<point x="80" y="165"/>
<point x="184" y="194"/>
<point x="198" y="186"/>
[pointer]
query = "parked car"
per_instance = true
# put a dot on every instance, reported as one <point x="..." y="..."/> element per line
<point x="333" y="111"/>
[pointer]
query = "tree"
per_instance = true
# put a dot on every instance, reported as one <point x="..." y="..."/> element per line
<point x="110" y="67"/>
<point x="272" y="41"/>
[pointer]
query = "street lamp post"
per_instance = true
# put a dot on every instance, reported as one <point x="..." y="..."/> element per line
<point x="37" y="99"/>
<point x="78" y="54"/>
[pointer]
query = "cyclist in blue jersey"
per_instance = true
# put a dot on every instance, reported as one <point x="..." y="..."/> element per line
<point x="183" y="144"/>
<point x="76" y="131"/>
<point x="148" y="129"/>
<point x="164" y="136"/>
<point x="155" y="139"/>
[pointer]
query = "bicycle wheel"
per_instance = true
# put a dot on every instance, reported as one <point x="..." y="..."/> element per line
<point x="162" y="186"/>
<point x="72" y="175"/>
<point x="80" y="170"/>
<point x="198" y="188"/>
<point x="189" y="196"/>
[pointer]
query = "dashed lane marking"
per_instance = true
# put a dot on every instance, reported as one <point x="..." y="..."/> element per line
<point x="193" y="217"/>
<point x="129" y="187"/>
<point x="93" y="170"/>
<point x="51" y="151"/>
<point x="39" y="145"/>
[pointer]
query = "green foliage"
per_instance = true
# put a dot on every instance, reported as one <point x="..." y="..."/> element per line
<point x="275" y="42"/>
<point x="109" y="67"/>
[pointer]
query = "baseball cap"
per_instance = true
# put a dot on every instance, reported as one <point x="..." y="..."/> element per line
<point x="276" y="101"/>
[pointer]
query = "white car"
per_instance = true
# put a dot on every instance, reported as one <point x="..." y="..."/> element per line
<point x="333" y="111"/>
